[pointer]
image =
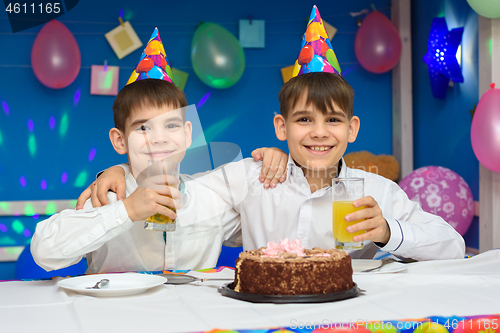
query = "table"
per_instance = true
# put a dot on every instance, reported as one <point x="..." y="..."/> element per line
<point x="445" y="288"/>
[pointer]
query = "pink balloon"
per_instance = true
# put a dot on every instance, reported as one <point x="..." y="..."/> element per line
<point x="55" y="56"/>
<point x="442" y="192"/>
<point x="485" y="130"/>
<point x="377" y="44"/>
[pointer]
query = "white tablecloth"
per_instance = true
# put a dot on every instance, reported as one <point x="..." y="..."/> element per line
<point x="436" y="288"/>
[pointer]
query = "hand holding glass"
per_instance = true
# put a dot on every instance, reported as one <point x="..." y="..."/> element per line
<point x="158" y="174"/>
<point x="344" y="192"/>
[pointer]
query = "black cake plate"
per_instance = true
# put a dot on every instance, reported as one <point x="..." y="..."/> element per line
<point x="228" y="290"/>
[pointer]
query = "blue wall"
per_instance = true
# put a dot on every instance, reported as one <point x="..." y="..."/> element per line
<point x="241" y="114"/>
<point x="442" y="127"/>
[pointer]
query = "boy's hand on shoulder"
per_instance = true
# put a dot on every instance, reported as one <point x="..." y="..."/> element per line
<point x="112" y="179"/>
<point x="377" y="229"/>
<point x="145" y="202"/>
<point x="274" y="161"/>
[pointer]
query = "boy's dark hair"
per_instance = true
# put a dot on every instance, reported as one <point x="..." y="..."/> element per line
<point x="322" y="89"/>
<point x="148" y="92"/>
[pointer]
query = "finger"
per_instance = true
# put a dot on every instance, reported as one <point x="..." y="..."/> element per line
<point x="365" y="201"/>
<point x="369" y="224"/>
<point x="169" y="191"/>
<point x="163" y="180"/>
<point x="93" y="195"/>
<point x="282" y="168"/>
<point x="120" y="190"/>
<point x="80" y="202"/>
<point x="269" y="170"/>
<point x="102" y="193"/>
<point x="168" y="202"/>
<point x="365" y="213"/>
<point x="167" y="212"/>
<point x="274" y="172"/>
<point x="363" y="225"/>
<point x="257" y="155"/>
<point x="369" y="235"/>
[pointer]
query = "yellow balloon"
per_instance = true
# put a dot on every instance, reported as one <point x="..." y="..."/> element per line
<point x="296" y="69"/>
<point x="133" y="77"/>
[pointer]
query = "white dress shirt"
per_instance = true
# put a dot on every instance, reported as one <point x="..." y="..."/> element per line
<point x="113" y="243"/>
<point x="291" y="211"/>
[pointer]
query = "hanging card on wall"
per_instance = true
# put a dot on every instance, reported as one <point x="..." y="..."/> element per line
<point x="286" y="73"/>
<point x="252" y="33"/>
<point x="123" y="40"/>
<point x="104" y="80"/>
<point x="330" y="29"/>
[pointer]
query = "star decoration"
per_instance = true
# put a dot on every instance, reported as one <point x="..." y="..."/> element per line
<point x="441" y="56"/>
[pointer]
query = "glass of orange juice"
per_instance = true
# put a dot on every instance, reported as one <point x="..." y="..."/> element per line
<point x="160" y="174"/>
<point x="344" y="192"/>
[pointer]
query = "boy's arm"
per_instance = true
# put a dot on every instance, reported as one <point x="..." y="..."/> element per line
<point x="274" y="162"/>
<point x="413" y="233"/>
<point x="64" y="238"/>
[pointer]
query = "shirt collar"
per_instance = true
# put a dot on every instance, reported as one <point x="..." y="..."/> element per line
<point x="292" y="168"/>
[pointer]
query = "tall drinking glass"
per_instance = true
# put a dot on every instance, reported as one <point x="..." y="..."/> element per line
<point x="158" y="175"/>
<point x="344" y="192"/>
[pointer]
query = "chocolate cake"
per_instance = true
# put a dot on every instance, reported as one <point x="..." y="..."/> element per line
<point x="288" y="269"/>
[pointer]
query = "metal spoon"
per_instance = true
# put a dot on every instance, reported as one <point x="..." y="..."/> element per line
<point x="97" y="285"/>
<point x="183" y="279"/>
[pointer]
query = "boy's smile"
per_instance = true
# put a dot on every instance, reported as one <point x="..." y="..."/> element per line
<point x="316" y="141"/>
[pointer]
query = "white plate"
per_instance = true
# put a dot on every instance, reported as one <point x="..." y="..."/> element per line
<point x="359" y="265"/>
<point x="120" y="284"/>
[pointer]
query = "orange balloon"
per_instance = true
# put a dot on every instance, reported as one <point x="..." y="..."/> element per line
<point x="145" y="65"/>
<point x="306" y="55"/>
<point x="153" y="48"/>
<point x="314" y="31"/>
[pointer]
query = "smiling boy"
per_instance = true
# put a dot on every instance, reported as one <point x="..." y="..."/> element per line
<point x="149" y="115"/>
<point x="317" y="122"/>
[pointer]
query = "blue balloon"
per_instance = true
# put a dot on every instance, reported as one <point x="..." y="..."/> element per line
<point x="316" y="64"/>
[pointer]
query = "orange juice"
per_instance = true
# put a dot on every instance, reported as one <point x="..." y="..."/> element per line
<point x="160" y="218"/>
<point x="339" y="210"/>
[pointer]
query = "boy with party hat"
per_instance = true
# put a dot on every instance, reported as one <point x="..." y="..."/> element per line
<point x="150" y="124"/>
<point x="317" y="122"/>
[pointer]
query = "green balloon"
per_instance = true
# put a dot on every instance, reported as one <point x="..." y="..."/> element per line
<point x="486" y="8"/>
<point x="217" y="56"/>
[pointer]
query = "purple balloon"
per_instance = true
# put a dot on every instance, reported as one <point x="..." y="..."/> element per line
<point x="485" y="130"/>
<point x="377" y="43"/>
<point x="55" y="56"/>
<point x="442" y="192"/>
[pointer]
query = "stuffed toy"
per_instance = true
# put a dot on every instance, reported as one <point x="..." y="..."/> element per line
<point x="384" y="165"/>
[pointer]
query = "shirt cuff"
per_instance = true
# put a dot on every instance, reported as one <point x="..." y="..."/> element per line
<point x="120" y="217"/>
<point x="398" y="242"/>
